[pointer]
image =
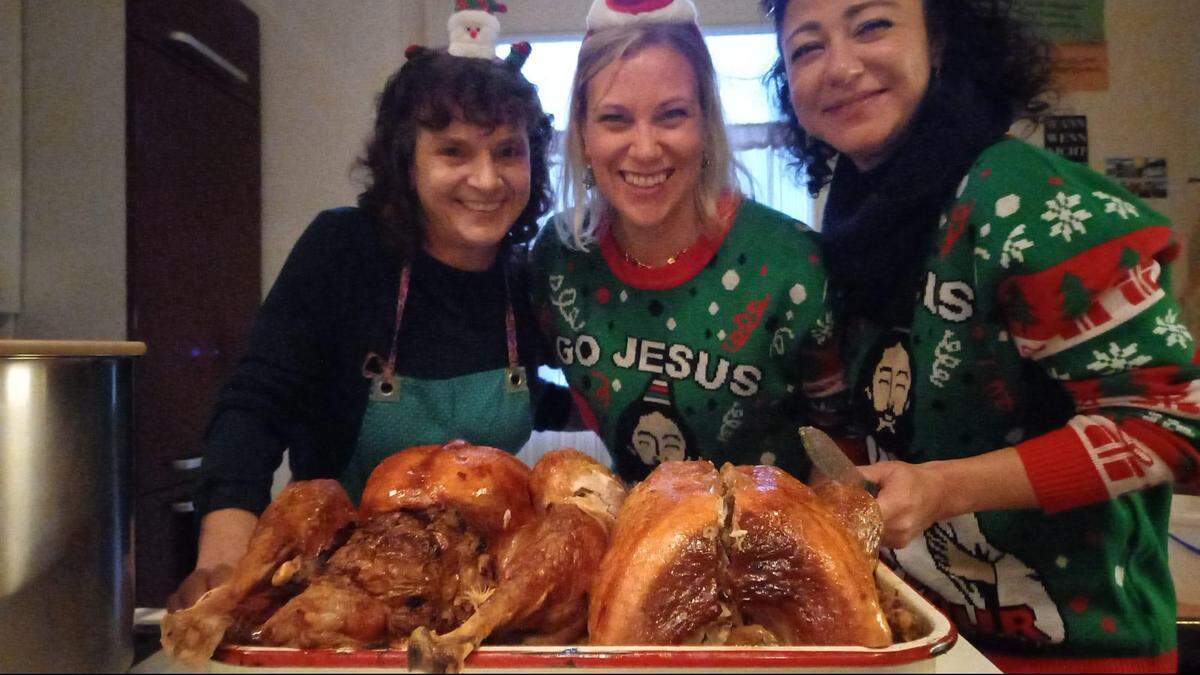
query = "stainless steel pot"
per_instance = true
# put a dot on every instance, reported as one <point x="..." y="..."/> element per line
<point x="66" y="564"/>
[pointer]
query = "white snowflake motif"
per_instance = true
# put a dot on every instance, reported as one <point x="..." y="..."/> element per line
<point x="779" y="342"/>
<point x="822" y="329"/>
<point x="980" y="251"/>
<point x="1118" y="359"/>
<point x="1114" y="204"/>
<point x="944" y="360"/>
<point x="1014" y="247"/>
<point x="1061" y="211"/>
<point x="731" y="422"/>
<point x="1169" y="325"/>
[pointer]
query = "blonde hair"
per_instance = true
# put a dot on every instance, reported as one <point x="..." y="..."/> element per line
<point x="586" y="208"/>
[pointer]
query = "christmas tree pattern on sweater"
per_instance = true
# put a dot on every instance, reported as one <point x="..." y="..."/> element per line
<point x="1045" y="321"/>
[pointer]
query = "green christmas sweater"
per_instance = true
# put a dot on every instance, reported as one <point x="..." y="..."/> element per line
<point x="1045" y="322"/>
<point x="686" y="360"/>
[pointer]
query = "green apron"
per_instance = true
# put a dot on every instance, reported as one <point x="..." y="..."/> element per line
<point x="486" y="408"/>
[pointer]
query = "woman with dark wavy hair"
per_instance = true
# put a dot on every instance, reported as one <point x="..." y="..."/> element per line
<point x="403" y="321"/>
<point x="1025" y="386"/>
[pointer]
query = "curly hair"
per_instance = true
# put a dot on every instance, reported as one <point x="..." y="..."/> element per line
<point x="431" y="91"/>
<point x="985" y="50"/>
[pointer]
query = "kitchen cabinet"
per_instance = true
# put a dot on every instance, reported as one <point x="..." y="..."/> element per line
<point x="193" y="250"/>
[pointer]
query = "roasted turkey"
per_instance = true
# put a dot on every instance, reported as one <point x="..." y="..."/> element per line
<point x="318" y="573"/>
<point x="747" y="555"/>
<point x="544" y="569"/>
<point x="444" y="535"/>
<point x="457" y="544"/>
<point x="291" y="537"/>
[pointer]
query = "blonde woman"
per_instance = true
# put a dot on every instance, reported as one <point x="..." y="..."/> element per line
<point x="678" y="307"/>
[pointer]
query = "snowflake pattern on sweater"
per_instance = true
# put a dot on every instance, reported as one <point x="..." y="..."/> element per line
<point x="1046" y="320"/>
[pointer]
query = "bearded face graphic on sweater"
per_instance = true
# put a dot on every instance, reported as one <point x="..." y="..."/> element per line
<point x="891" y="384"/>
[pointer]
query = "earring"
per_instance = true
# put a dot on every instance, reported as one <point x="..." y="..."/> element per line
<point x="589" y="178"/>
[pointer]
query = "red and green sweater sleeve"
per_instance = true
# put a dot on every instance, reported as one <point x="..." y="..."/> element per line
<point x="1080" y="268"/>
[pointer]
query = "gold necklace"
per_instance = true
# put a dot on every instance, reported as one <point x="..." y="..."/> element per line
<point x="671" y="260"/>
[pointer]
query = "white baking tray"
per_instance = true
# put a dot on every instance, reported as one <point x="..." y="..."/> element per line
<point x="912" y="656"/>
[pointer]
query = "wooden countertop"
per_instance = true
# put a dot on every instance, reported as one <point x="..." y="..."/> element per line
<point x="70" y="348"/>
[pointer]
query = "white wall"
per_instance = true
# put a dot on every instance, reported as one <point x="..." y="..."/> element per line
<point x="10" y="156"/>
<point x="73" y="206"/>
<point x="323" y="63"/>
<point x="1150" y="108"/>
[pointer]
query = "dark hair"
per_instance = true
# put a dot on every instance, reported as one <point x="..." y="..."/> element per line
<point x="628" y="465"/>
<point x="986" y="52"/>
<point x="431" y="91"/>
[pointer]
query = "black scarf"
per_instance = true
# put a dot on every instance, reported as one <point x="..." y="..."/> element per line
<point x="878" y="226"/>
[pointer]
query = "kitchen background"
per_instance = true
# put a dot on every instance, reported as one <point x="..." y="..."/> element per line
<point x="65" y="137"/>
<point x="322" y="64"/>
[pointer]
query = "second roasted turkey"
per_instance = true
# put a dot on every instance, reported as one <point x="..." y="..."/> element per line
<point x="744" y="556"/>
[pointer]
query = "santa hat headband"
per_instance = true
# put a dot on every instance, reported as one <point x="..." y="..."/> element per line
<point x="615" y="13"/>
<point x="474" y="30"/>
<point x="489" y="6"/>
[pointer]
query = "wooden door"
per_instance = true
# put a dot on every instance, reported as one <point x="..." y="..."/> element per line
<point x="194" y="240"/>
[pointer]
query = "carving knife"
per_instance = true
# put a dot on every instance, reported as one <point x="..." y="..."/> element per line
<point x="829" y="459"/>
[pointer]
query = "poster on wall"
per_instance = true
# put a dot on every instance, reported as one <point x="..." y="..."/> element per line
<point x="1076" y="30"/>
<point x="1145" y="177"/>
<point x="1067" y="136"/>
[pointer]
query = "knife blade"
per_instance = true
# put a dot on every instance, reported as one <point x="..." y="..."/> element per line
<point x="829" y="459"/>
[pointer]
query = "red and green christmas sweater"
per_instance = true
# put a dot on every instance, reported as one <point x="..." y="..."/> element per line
<point x="690" y="360"/>
<point x="1044" y="320"/>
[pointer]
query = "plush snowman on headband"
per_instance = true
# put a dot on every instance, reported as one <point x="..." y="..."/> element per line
<point x="610" y="13"/>
<point x="474" y="28"/>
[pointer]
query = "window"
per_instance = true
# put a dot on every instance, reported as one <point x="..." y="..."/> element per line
<point x="741" y="60"/>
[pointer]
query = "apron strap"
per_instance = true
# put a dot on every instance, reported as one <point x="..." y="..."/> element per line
<point x="373" y="368"/>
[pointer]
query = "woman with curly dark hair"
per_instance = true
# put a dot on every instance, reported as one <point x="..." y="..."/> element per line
<point x="403" y="321"/>
<point x="1025" y="386"/>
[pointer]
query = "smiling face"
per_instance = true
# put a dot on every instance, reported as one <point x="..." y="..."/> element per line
<point x="857" y="70"/>
<point x="473" y="183"/>
<point x="644" y="139"/>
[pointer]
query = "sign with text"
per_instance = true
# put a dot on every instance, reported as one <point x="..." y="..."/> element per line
<point x="1067" y="135"/>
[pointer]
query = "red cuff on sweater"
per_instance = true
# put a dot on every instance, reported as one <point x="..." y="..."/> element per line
<point x="1061" y="471"/>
